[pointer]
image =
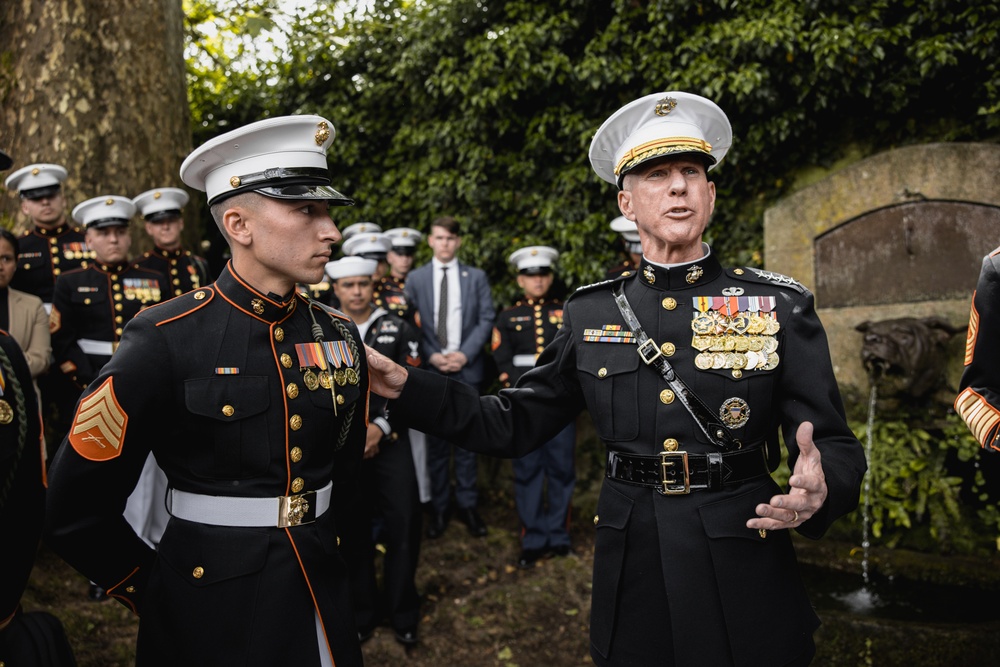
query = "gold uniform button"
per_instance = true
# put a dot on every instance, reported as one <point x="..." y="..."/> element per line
<point x="228" y="410"/>
<point x="297" y="484"/>
<point x="118" y="307"/>
<point x="55" y="260"/>
<point x="130" y="589"/>
<point x="279" y="334"/>
<point x="517" y="328"/>
<point x="596" y="519"/>
<point x="338" y="540"/>
<point x="295" y="454"/>
<point x="603" y="373"/>
<point x="118" y="319"/>
<point x="177" y="281"/>
<point x="668" y="349"/>
<point x="671" y="445"/>
<point x="286" y="361"/>
<point x="199" y="295"/>
<point x="340" y="399"/>
<point x="55" y="272"/>
<point x="739" y="272"/>
<point x="118" y="331"/>
<point x="86" y="302"/>
<point x="763" y="531"/>
<point x="198" y="572"/>
<point x="669" y="303"/>
<point x="118" y="297"/>
<point x="666" y="397"/>
<point x="539" y="331"/>
<point x="292" y="390"/>
<point x="295" y="422"/>
<point x="737" y="373"/>
<point x="540" y="340"/>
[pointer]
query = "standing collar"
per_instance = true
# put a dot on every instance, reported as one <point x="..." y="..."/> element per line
<point x="56" y="231"/>
<point x="439" y="264"/>
<point x="266" y="308"/>
<point x="118" y="268"/>
<point x="679" y="276"/>
<point x="168" y="254"/>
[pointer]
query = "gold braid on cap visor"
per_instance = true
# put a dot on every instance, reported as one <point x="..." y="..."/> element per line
<point x="660" y="147"/>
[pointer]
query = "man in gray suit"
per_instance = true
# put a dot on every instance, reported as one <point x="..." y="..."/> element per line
<point x="455" y="316"/>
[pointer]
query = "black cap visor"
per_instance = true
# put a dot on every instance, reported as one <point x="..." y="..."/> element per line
<point x="41" y="193"/>
<point x="107" y="222"/>
<point x="164" y="216"/>
<point x="536" y="271"/>
<point x="287" y="183"/>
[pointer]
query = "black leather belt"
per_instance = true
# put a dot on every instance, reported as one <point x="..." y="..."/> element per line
<point x="678" y="473"/>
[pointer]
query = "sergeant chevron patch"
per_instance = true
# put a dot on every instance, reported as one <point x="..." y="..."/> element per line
<point x="99" y="426"/>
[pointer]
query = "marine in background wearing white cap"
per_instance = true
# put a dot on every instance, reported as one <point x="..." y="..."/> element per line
<point x="543" y="479"/>
<point x="630" y="241"/>
<point x="390" y="290"/>
<point x="370" y="245"/>
<point x="52" y="245"/>
<point x="388" y="480"/>
<point x="253" y="400"/>
<point x="161" y="208"/>
<point x="688" y="370"/>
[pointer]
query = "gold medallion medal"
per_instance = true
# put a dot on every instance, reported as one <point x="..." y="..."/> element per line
<point x="310" y="380"/>
<point x="6" y="412"/>
<point x="325" y="380"/>
<point x="340" y="377"/>
<point x="352" y="376"/>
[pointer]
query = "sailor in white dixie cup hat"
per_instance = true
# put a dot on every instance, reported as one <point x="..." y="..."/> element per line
<point x="253" y="398"/>
<point x="350" y="266"/>
<point x="388" y="480"/>
<point x="690" y="370"/>
<point x="162" y="210"/>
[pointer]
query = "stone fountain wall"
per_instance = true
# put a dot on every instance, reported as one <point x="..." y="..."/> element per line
<point x="899" y="234"/>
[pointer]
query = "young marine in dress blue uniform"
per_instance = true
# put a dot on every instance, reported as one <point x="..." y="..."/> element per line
<point x="545" y="478"/>
<point x="253" y="400"/>
<point x="92" y="305"/>
<point x="161" y="208"/>
<point x="689" y="370"/>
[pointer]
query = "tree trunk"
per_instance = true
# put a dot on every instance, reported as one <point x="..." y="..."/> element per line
<point x="99" y="87"/>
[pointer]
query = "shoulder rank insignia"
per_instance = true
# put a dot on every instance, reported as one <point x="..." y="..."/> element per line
<point x="98" y="430"/>
<point x="776" y="279"/>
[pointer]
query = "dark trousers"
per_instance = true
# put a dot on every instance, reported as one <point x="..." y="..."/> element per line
<point x="548" y="471"/>
<point x="387" y="498"/>
<point x="439" y="455"/>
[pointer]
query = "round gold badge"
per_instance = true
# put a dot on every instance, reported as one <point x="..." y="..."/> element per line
<point x="6" y="412"/>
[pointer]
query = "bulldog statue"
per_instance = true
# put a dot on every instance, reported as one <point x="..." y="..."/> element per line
<point x="907" y="357"/>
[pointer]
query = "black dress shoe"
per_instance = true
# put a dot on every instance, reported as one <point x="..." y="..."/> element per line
<point x="407" y="636"/>
<point x="96" y="593"/>
<point x="470" y="517"/>
<point x="561" y="550"/>
<point x="529" y="557"/>
<point x="436" y="526"/>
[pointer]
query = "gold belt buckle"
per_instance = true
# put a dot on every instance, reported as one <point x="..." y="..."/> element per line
<point x="293" y="509"/>
<point x="670" y="460"/>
